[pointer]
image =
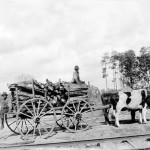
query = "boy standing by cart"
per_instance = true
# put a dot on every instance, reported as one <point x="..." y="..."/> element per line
<point x="4" y="108"/>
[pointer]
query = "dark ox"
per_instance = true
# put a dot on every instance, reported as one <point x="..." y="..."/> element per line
<point x="134" y="101"/>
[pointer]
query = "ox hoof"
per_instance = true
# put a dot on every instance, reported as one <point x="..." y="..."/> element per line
<point x="117" y="125"/>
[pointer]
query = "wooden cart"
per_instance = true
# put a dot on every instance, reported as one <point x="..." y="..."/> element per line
<point x="34" y="115"/>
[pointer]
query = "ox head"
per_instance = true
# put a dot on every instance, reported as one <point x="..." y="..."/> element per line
<point x="144" y="95"/>
<point x="148" y="99"/>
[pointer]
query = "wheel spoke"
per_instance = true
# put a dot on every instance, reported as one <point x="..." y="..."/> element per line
<point x="45" y="123"/>
<point x="38" y="106"/>
<point x="70" y="109"/>
<point x="83" y="107"/>
<point x="34" y="132"/>
<point x="27" y="132"/>
<point x="39" y="132"/>
<point x="25" y="114"/>
<point x="74" y="106"/>
<point x="18" y="125"/>
<point x="21" y="125"/>
<point x="45" y="113"/>
<point x="26" y="125"/>
<point x="42" y="109"/>
<point x="84" y="121"/>
<point x="78" y="106"/>
<point x="70" y="122"/>
<point x="30" y="123"/>
<point x="15" y="128"/>
<point x="19" y="122"/>
<point x="33" y="107"/>
<point x="81" y="126"/>
<point x="44" y="128"/>
<point x="12" y="123"/>
<point x="64" y="118"/>
<point x="75" y="126"/>
<point x="29" y="110"/>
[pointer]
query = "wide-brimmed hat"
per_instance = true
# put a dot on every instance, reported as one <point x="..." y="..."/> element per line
<point x="4" y="93"/>
<point x="76" y="67"/>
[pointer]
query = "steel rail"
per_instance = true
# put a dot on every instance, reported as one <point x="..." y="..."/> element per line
<point x="32" y="143"/>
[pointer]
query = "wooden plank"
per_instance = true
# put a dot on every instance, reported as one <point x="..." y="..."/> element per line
<point x="100" y="107"/>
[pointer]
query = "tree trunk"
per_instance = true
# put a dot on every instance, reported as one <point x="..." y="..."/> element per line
<point x="131" y="82"/>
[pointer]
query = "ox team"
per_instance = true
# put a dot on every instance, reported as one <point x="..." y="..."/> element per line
<point x="132" y="101"/>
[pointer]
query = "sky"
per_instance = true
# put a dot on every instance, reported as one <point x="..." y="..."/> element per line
<point x="47" y="38"/>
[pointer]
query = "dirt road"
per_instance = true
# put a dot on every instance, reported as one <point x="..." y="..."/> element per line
<point x="99" y="130"/>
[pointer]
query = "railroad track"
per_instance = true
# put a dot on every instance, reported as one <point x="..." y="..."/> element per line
<point x="126" y="140"/>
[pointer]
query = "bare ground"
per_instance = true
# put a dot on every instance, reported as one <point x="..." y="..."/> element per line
<point x="99" y="130"/>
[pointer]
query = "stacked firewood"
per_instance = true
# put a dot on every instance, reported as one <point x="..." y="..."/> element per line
<point x="57" y="93"/>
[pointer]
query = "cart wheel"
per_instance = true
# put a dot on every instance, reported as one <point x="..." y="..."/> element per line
<point x="77" y="115"/>
<point x="11" y="122"/>
<point x="37" y="118"/>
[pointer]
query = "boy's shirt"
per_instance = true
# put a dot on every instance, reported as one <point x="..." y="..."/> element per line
<point x="76" y="78"/>
<point x="4" y="106"/>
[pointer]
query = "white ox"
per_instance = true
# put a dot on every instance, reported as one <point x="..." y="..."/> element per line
<point x="137" y="101"/>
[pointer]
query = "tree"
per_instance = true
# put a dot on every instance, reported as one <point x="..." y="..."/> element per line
<point x="105" y="62"/>
<point x="134" y="70"/>
<point x="144" y="59"/>
<point x="128" y="66"/>
<point x="114" y="66"/>
<point x="144" y="63"/>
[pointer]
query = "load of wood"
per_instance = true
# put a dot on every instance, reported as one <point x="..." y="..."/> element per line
<point x="75" y="89"/>
<point x="53" y="91"/>
<point x="25" y="88"/>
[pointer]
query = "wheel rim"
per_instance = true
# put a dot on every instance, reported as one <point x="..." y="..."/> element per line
<point x="11" y="123"/>
<point x="77" y="115"/>
<point x="37" y="118"/>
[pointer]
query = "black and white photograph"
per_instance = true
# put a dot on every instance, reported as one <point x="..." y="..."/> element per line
<point x="74" y="74"/>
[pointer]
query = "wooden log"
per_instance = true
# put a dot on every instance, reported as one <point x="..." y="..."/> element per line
<point x="75" y="87"/>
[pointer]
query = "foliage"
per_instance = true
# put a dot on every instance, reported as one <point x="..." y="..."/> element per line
<point x="114" y="67"/>
<point x="132" y="68"/>
<point x="127" y="65"/>
<point x="105" y="62"/>
<point x="144" y="60"/>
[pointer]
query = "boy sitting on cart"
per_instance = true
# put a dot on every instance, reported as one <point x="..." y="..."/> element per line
<point x="76" y="77"/>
